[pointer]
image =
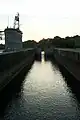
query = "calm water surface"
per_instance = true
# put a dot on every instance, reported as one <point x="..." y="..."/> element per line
<point x="44" y="95"/>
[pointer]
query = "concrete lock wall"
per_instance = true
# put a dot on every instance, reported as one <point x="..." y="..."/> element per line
<point x="70" y="59"/>
<point x="11" y="63"/>
<point x="73" y="55"/>
<point x="9" y="60"/>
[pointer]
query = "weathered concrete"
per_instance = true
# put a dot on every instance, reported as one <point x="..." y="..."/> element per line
<point x="11" y="63"/>
<point x="70" y="60"/>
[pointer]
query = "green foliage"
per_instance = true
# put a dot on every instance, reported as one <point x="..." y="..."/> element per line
<point x="30" y="44"/>
<point x="67" y="42"/>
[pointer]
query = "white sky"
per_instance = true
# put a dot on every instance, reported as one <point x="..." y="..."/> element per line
<point x="42" y="18"/>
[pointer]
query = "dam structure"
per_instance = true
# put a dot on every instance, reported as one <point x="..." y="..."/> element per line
<point x="14" y="58"/>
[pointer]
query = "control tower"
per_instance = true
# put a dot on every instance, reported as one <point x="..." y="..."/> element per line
<point x="13" y="36"/>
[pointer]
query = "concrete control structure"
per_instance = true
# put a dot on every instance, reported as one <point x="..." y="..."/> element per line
<point x="13" y="36"/>
<point x="13" y="39"/>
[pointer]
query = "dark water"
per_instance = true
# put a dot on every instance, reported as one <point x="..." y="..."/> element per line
<point x="45" y="94"/>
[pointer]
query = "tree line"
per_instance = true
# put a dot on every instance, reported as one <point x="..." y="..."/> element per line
<point x="67" y="42"/>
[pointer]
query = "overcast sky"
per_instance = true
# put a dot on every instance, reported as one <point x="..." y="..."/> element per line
<point x="42" y="18"/>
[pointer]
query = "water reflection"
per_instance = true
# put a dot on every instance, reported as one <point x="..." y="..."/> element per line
<point x="45" y="95"/>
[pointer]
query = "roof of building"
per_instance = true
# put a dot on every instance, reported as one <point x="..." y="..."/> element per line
<point x="13" y="29"/>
